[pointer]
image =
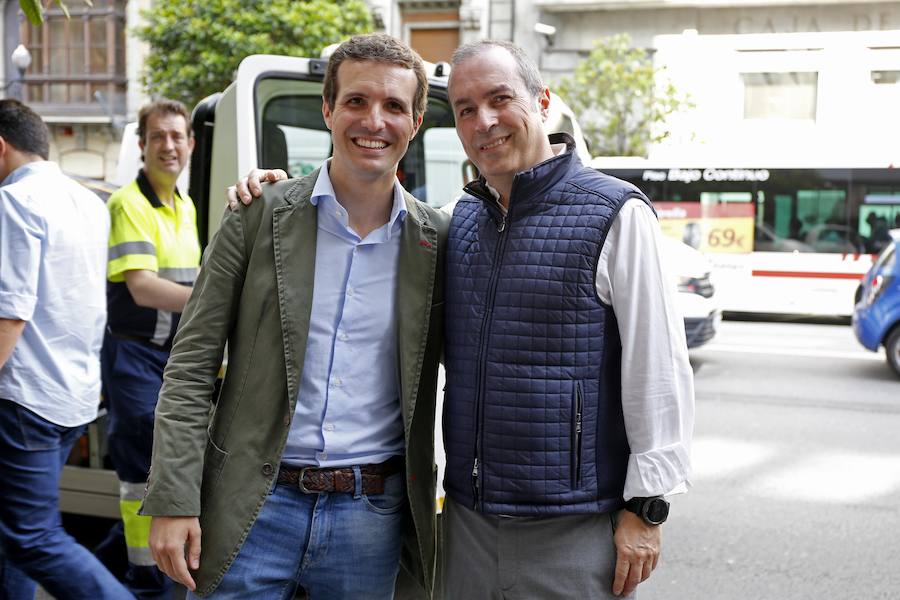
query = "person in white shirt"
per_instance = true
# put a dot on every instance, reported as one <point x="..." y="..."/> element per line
<point x="569" y="392"/>
<point x="53" y="236"/>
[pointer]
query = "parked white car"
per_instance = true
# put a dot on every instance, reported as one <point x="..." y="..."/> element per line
<point x="696" y="293"/>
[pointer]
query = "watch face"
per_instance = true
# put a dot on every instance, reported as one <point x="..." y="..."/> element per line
<point x="656" y="511"/>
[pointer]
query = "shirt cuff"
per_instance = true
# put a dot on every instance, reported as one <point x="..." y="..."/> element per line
<point x="658" y="472"/>
<point x="17" y="306"/>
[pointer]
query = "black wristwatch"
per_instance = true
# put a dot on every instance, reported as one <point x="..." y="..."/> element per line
<point x="653" y="510"/>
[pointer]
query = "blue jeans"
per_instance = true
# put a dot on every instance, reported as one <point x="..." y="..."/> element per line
<point x="333" y="545"/>
<point x="34" y="547"/>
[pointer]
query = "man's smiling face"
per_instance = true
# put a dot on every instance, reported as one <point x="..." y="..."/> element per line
<point x="499" y="123"/>
<point x="371" y="121"/>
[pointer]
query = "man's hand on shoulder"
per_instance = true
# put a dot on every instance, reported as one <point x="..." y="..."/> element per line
<point x="172" y="539"/>
<point x="250" y="187"/>
<point x="637" y="552"/>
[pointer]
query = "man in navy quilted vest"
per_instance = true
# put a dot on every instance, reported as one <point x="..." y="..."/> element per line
<point x="569" y="404"/>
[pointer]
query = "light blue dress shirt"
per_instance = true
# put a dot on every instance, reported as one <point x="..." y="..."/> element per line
<point x="53" y="252"/>
<point x="348" y="406"/>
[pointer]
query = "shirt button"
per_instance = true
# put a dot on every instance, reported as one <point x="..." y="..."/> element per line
<point x="322" y="455"/>
<point x="343" y="337"/>
<point x="336" y="382"/>
<point x="268" y="469"/>
<point x="349" y="291"/>
<point x="329" y="426"/>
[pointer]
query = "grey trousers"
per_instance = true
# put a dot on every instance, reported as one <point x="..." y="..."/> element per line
<point x="491" y="557"/>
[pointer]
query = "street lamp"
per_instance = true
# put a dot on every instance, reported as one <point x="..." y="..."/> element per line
<point x="21" y="60"/>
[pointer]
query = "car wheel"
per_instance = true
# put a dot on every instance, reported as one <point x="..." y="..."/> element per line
<point x="892" y="349"/>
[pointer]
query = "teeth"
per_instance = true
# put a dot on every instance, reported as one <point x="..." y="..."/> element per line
<point x="376" y="144"/>
<point x="494" y="144"/>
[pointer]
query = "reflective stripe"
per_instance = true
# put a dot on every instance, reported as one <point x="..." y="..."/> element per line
<point x="131" y="491"/>
<point x="140" y="557"/>
<point x="183" y="275"/>
<point x="137" y="532"/>
<point x="163" y="327"/>
<point x="120" y="250"/>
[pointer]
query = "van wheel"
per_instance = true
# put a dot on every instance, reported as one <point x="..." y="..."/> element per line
<point x="892" y="349"/>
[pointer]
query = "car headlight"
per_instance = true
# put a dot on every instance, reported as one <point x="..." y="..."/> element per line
<point x="701" y="286"/>
<point x="879" y="284"/>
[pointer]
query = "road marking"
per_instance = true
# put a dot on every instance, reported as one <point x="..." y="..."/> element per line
<point x="833" y="477"/>
<point x="718" y="457"/>
<point x="798" y="352"/>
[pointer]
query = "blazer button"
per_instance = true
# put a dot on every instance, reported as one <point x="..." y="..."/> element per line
<point x="268" y="469"/>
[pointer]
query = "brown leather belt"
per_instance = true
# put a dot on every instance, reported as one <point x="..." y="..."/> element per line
<point x="316" y="480"/>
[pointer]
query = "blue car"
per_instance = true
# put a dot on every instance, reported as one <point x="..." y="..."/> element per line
<point x="876" y="318"/>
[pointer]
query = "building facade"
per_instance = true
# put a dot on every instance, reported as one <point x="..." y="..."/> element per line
<point x="773" y="81"/>
<point x="776" y="82"/>
<point x="83" y="78"/>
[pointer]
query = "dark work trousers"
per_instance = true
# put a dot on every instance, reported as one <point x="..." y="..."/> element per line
<point x="132" y="376"/>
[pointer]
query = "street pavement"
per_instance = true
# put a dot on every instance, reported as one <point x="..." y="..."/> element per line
<point x="796" y="471"/>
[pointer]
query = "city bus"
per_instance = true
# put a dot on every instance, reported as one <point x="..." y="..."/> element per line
<point x="781" y="240"/>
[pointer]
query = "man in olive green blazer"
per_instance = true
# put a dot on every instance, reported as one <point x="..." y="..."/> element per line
<point x="218" y="464"/>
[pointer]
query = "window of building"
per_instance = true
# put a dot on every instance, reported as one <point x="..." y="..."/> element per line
<point x="885" y="77"/>
<point x="790" y="95"/>
<point x="75" y="58"/>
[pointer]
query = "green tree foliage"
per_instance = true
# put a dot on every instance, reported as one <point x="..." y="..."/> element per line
<point x="196" y="45"/>
<point x="621" y="99"/>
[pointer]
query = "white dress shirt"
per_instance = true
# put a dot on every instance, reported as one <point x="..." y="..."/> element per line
<point x="657" y="379"/>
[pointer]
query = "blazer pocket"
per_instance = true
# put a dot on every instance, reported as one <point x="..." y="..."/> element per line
<point x="214" y="460"/>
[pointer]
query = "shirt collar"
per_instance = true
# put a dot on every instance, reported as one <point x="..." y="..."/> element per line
<point x="35" y="167"/>
<point x="324" y="189"/>
<point x="143" y="183"/>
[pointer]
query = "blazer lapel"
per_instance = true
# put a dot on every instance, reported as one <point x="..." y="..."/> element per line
<point x="294" y="239"/>
<point x="415" y="284"/>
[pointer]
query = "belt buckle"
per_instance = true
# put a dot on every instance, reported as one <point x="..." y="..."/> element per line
<point x="300" y="485"/>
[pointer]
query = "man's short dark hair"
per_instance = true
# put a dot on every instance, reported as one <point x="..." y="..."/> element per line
<point x="379" y="47"/>
<point x="23" y="129"/>
<point x="526" y="67"/>
<point x="163" y="106"/>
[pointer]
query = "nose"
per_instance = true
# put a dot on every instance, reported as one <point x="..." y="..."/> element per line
<point x="374" y="120"/>
<point x="486" y="119"/>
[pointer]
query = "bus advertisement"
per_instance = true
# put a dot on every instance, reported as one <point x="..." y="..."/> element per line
<point x="781" y="240"/>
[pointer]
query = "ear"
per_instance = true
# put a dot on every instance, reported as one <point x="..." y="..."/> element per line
<point x="326" y="113"/>
<point x="544" y="103"/>
<point x="416" y="126"/>
<point x="4" y="147"/>
<point x="191" y="142"/>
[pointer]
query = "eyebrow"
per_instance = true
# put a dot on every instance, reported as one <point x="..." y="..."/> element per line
<point x="503" y="87"/>
<point x="353" y="94"/>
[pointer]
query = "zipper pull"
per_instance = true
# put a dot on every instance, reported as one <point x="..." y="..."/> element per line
<point x="502" y="226"/>
<point x="475" y="485"/>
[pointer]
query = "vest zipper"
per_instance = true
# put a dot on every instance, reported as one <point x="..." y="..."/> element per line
<point x="485" y="333"/>
<point x="579" y="409"/>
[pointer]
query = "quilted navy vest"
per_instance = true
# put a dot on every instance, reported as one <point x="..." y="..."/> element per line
<point x="532" y="410"/>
